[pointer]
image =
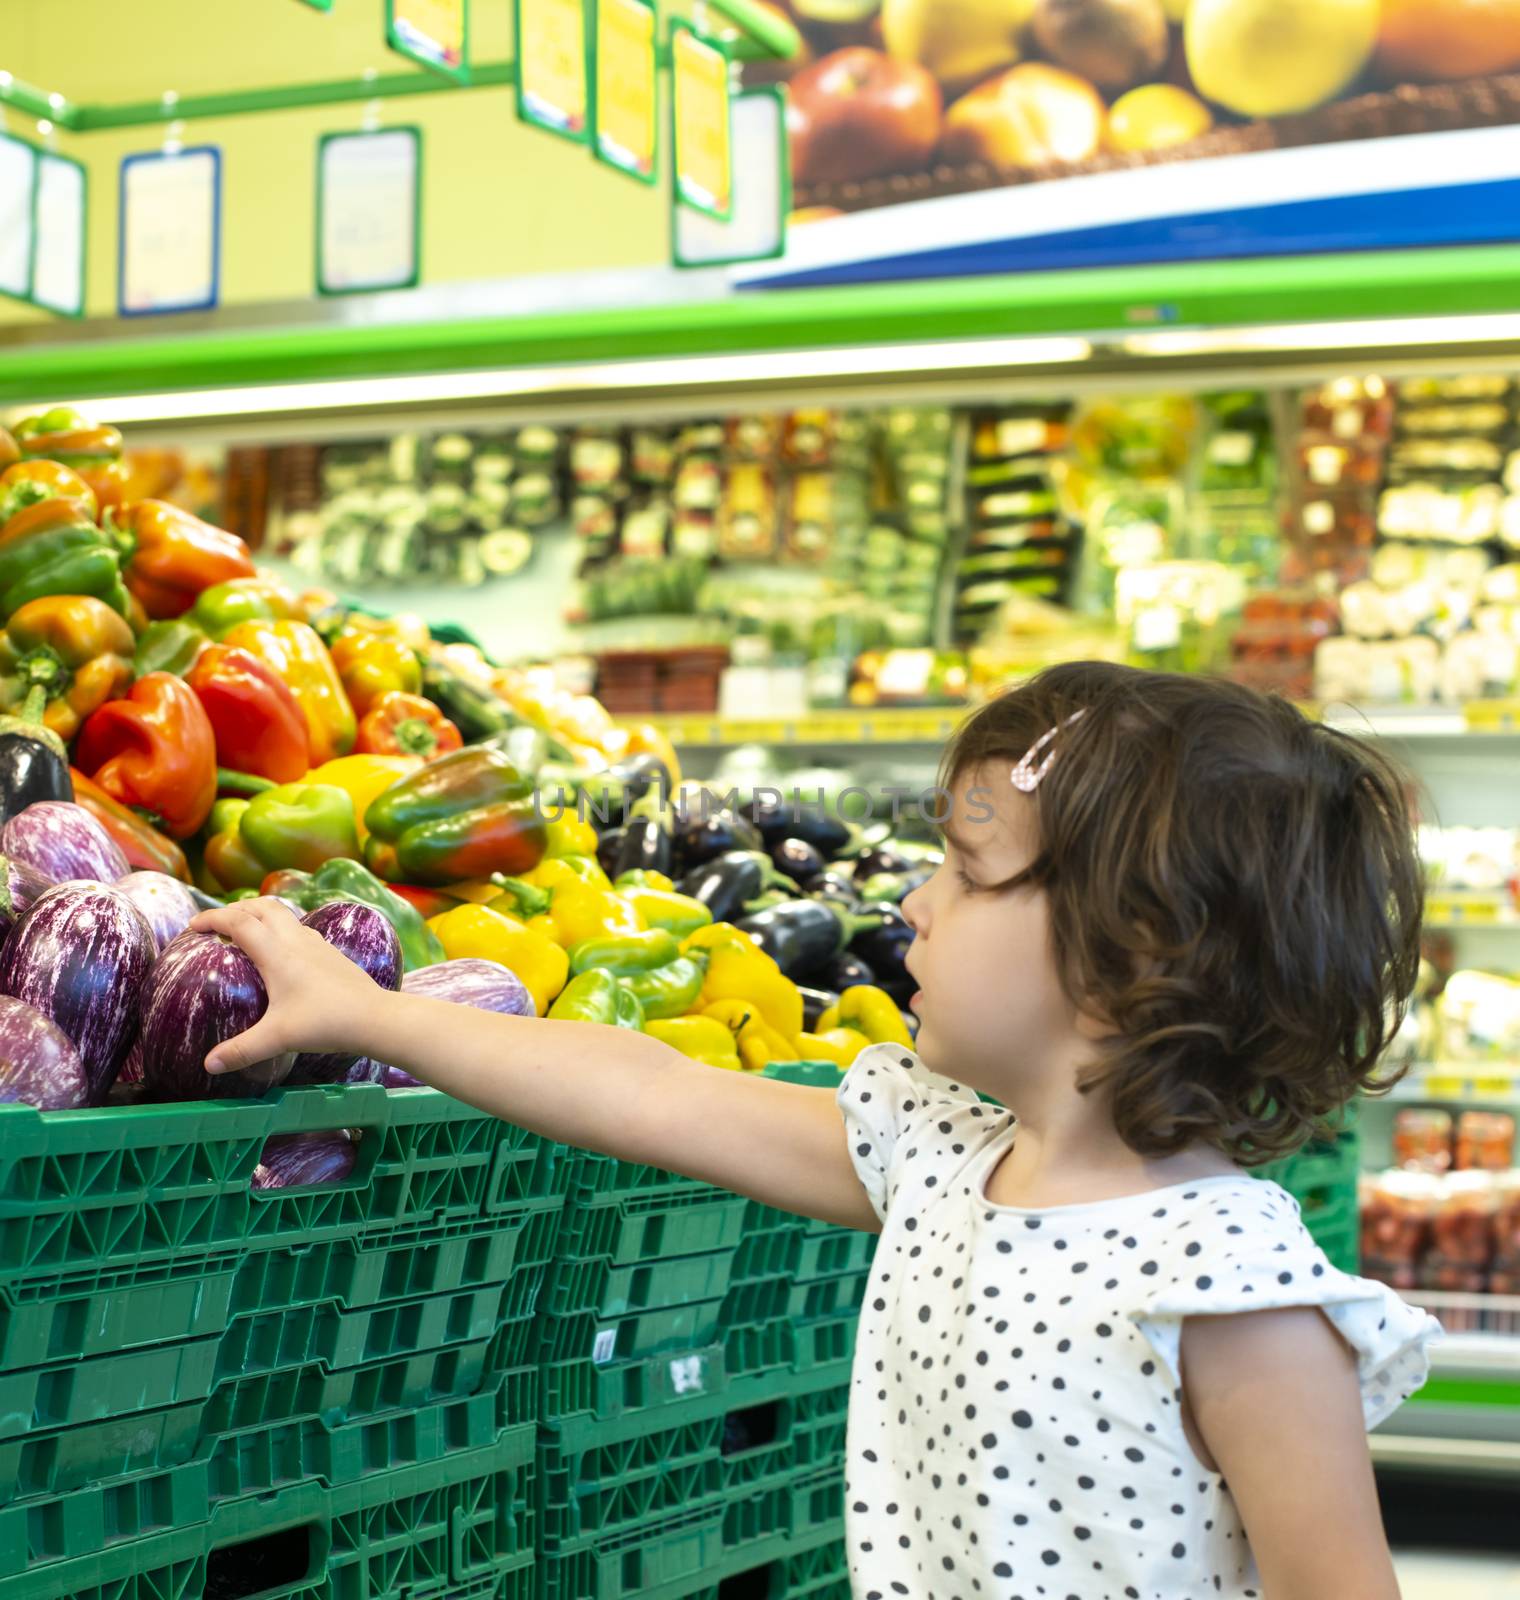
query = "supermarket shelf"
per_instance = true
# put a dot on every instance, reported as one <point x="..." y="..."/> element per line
<point x="1481" y="1082"/>
<point x="1485" y="1458"/>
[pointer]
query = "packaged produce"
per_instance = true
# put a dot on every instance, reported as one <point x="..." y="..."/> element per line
<point x="1506" y="1225"/>
<point x="1422" y="1140"/>
<point x="1398" y="1210"/>
<point x="1485" y="1141"/>
<point x="1478" y="1018"/>
<point x="1461" y="1228"/>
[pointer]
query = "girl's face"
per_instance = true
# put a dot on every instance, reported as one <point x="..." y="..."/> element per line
<point x="990" y="1001"/>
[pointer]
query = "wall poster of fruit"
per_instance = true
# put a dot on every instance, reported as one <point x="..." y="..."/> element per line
<point x="895" y="101"/>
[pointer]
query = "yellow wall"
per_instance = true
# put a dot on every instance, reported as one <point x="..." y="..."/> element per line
<point x="499" y="199"/>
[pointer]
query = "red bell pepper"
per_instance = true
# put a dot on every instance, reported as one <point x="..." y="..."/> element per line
<point x="258" y="725"/>
<point x="407" y="725"/>
<point x="142" y="844"/>
<point x="154" y="751"/>
<point x="171" y="556"/>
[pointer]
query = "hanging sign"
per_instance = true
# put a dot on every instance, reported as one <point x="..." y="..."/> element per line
<point x="625" y="119"/>
<point x="59" y="235"/>
<point x="171" y="205"/>
<point x="369" y="210"/>
<point x="18" y="204"/>
<point x="701" y="115"/>
<point x="320" y="5"/>
<point x="756" y="231"/>
<point x="435" y="33"/>
<point x="553" y="91"/>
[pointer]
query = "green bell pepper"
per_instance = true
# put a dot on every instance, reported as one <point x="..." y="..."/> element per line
<point x="519" y="899"/>
<point x="625" y="954"/>
<point x="598" y="997"/>
<point x="52" y="547"/>
<point x="169" y="647"/>
<point x="463" y="780"/>
<point x="300" y="825"/>
<point x="342" y="879"/>
<point x="220" y="608"/>
<point x="670" y="990"/>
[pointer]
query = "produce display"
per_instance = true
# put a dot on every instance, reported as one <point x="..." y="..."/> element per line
<point x="192" y="731"/>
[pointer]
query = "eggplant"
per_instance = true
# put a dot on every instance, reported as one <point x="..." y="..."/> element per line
<point x="798" y="860"/>
<point x="608" y="848"/>
<point x="39" y="1065"/>
<point x="880" y="858"/>
<point x="167" y="905"/>
<point x="202" y="991"/>
<point x="62" y="840"/>
<point x="80" y="956"/>
<point x="725" y="883"/>
<point x="845" y="972"/>
<point x="638" y="775"/>
<point x="884" y="948"/>
<point x="398" y="1078"/>
<point x="802" y="936"/>
<point x="701" y="838"/>
<point x="292" y="1159"/>
<point x="472" y="981"/>
<point x="646" y="847"/>
<point x="814" y="1003"/>
<point x="34" y="766"/>
<point x="132" y="1068"/>
<point x="779" y="818"/>
<point x="894" y="887"/>
<point x="369" y="941"/>
<point x="831" y="885"/>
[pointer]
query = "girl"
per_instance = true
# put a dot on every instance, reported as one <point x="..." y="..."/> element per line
<point x="1175" y="925"/>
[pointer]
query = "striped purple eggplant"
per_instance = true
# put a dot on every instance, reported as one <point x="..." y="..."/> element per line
<point x="80" y="956"/>
<point x="399" y="1078"/>
<point x="370" y="942"/>
<point x="302" y="1158"/>
<point x="62" y="840"/>
<point x="165" y="903"/>
<point x="472" y="981"/>
<point x="39" y="1065"/>
<point x="202" y="991"/>
<point x="21" y="887"/>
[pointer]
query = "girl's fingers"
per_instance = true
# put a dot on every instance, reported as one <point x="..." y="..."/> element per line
<point x="255" y="926"/>
<point x="233" y="1055"/>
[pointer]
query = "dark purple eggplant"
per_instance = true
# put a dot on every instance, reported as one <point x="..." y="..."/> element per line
<point x="880" y="858"/>
<point x="725" y="883"/>
<point x="702" y="836"/>
<point x="638" y="775"/>
<point x="779" y="818"/>
<point x="132" y="1067"/>
<point x="844" y="972"/>
<point x="798" y="860"/>
<point x="814" y="1003"/>
<point x="370" y="942"/>
<point x="80" y="956"/>
<point x="165" y="902"/>
<point x="292" y="1159"/>
<point x="472" y="981"/>
<point x="884" y="948"/>
<point x="62" y="840"/>
<point x="831" y="885"/>
<point x="800" y="936"/>
<point x="201" y="992"/>
<point x="397" y="1078"/>
<point x="608" y="847"/>
<point x="39" y="1065"/>
<point x="645" y="847"/>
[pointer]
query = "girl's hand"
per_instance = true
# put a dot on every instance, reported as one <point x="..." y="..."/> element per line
<point x="318" y="999"/>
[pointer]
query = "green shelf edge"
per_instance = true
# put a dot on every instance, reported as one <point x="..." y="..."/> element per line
<point x="1392" y="284"/>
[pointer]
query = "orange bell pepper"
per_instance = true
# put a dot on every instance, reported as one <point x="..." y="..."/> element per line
<point x="58" y="480"/>
<point x="154" y="750"/>
<point x="143" y="845"/>
<point x="173" y="556"/>
<point x="296" y="653"/>
<point x="406" y="724"/>
<point x="72" y="647"/>
<point x="372" y="664"/>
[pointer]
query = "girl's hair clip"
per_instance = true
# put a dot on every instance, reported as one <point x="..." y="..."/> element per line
<point x="1026" y="776"/>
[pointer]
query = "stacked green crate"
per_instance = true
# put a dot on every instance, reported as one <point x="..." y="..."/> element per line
<point x="1322" y="1177"/>
<point x="174" y="1344"/>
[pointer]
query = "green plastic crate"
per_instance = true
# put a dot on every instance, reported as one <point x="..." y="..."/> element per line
<point x="1322" y="1177"/>
<point x="461" y="1525"/>
<point x="577" y="1389"/>
<point x="776" y="1353"/>
<point x="822" y="1573"/>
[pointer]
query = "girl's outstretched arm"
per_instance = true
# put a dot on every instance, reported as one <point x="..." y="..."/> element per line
<point x="1274" y="1397"/>
<point x="600" y="1088"/>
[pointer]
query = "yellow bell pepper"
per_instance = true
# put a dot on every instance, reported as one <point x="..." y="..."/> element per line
<point x="664" y="908"/>
<point x="701" y="1038"/>
<point x="713" y="935"/>
<point x="478" y="891"/>
<point x="839" y="1045"/>
<point x="363" y="779"/>
<point x="873" y="1012"/>
<point x="581" y="912"/>
<point x="540" y="965"/>
<point x="744" y="972"/>
<point x="567" y="872"/>
<point x="758" y="1044"/>
<point x="567" y="835"/>
<point x="828" y="1018"/>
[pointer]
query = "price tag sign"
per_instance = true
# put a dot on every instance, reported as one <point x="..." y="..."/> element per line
<point x="170" y="256"/>
<point x="701" y="113"/>
<point x="59" y="233"/>
<point x="435" y="33"/>
<point x="625" y="106"/>
<point x="369" y="211"/>
<point x="553" y="88"/>
<point x="18" y="204"/>
<point x="756" y="229"/>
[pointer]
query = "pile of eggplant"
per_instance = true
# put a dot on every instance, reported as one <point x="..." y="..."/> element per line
<point x="821" y="896"/>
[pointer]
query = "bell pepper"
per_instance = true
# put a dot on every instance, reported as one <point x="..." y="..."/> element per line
<point x="258" y="726"/>
<point x="516" y="897"/>
<point x="10" y="451"/>
<point x="171" y="557"/>
<point x="32" y="479"/>
<point x="173" y="645"/>
<point x="598" y="997"/>
<point x="670" y="990"/>
<point x="52" y="546"/>
<point x="406" y="724"/>
<point x="143" y="845"/>
<point x="567" y="835"/>
<point x="219" y="609"/>
<point x="873" y="1012"/>
<point x="65" y="435"/>
<point x="660" y="908"/>
<point x="364" y="778"/>
<point x="332" y="620"/>
<point x="300" y="825"/>
<point x="300" y="658"/>
<point x="741" y="971"/>
<point x="623" y="955"/>
<point x="839" y="1045"/>
<point x="428" y="903"/>
<point x="73" y="650"/>
<point x="758" y="1044"/>
<point x="538" y="963"/>
<point x="109" y="482"/>
<point x="579" y="913"/>
<point x="154" y="749"/>
<point x="561" y="872"/>
<point x="226" y="862"/>
<point x="701" y="1038"/>
<point x="463" y="780"/>
<point x="641" y="878"/>
<point x="342" y="879"/>
<point x="372" y="664"/>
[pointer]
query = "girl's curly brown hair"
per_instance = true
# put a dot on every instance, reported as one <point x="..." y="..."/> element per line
<point x="1234" y="888"/>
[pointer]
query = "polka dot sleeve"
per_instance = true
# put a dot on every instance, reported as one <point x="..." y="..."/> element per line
<point x="1256" y="1255"/>
<point x="895" y="1109"/>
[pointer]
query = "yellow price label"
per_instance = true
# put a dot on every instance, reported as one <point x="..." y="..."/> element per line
<point x="1492" y="716"/>
<point x="551" y="64"/>
<point x="704" y="135"/>
<point x="627" y="79"/>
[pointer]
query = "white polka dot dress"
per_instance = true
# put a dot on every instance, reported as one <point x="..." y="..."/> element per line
<point x="1015" y="1422"/>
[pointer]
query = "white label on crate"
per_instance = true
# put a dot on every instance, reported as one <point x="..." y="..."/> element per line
<point x="686" y="1375"/>
<point x="605" y="1347"/>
